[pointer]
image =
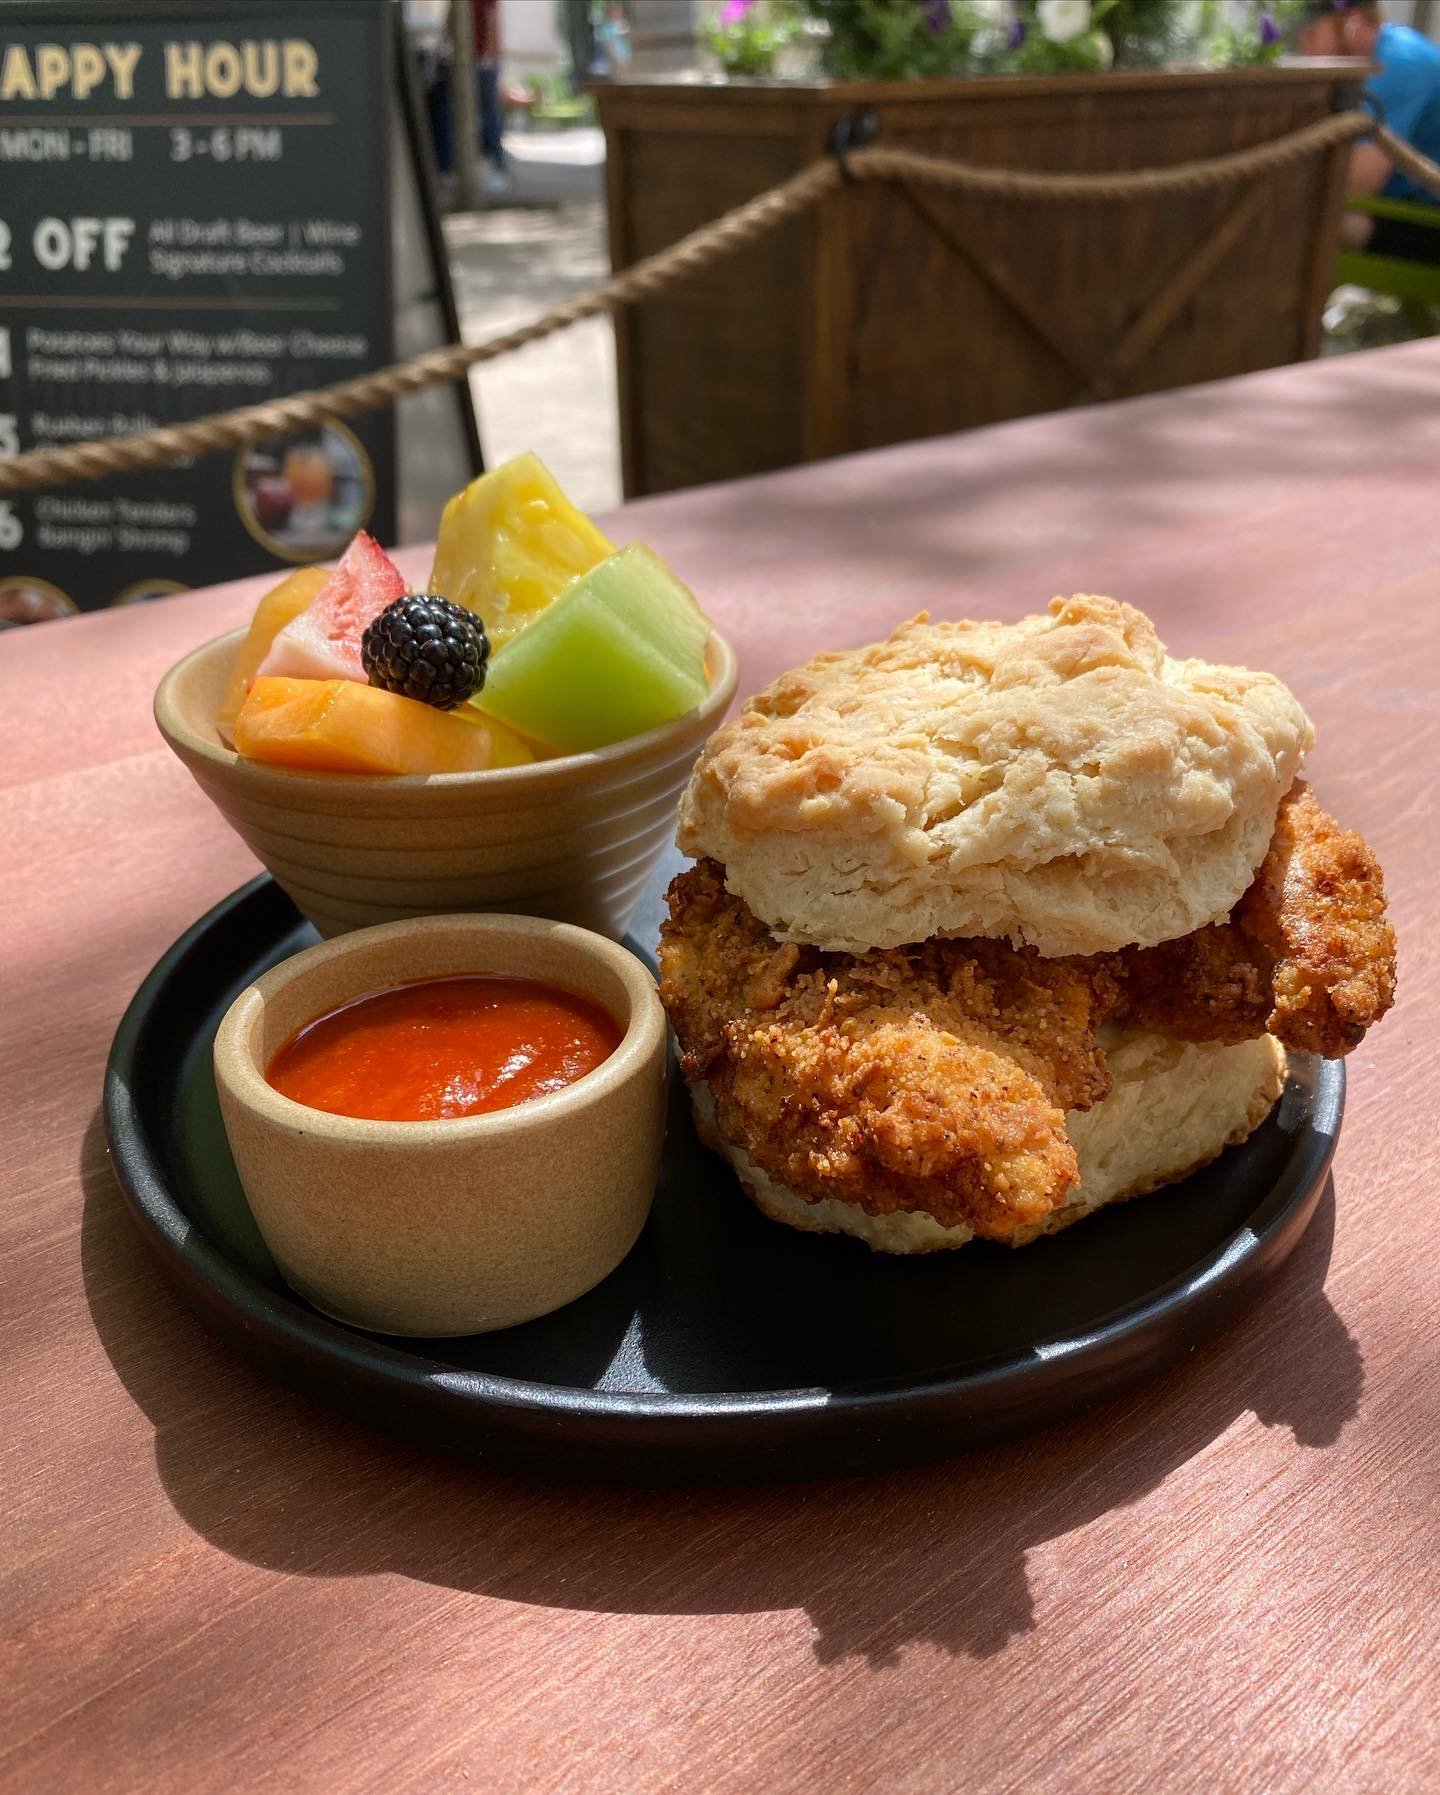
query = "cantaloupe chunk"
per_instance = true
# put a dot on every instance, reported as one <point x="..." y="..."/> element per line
<point x="279" y="606"/>
<point x="620" y="652"/>
<point x="510" y="543"/>
<point x="340" y="726"/>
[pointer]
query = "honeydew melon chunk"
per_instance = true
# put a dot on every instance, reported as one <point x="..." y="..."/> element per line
<point x="621" y="651"/>
<point x="510" y="543"/>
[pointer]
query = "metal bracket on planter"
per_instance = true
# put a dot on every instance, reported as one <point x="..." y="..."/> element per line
<point x="1357" y="99"/>
<point x="855" y="131"/>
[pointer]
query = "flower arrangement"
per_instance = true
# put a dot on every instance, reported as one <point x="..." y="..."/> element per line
<point x="746" y="37"/>
<point x="895" y="39"/>
<point x="880" y="39"/>
<point x="1260" y="39"/>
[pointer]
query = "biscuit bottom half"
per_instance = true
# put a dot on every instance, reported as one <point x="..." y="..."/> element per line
<point x="1174" y="1106"/>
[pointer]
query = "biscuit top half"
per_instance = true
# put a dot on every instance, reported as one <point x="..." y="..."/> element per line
<point x="1060" y="781"/>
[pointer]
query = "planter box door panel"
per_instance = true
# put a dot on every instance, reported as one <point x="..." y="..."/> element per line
<point x="710" y="371"/>
<point x="909" y="309"/>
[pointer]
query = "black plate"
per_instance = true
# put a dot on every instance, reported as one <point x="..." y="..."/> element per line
<point x="724" y="1345"/>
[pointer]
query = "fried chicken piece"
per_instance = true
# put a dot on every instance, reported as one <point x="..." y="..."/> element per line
<point x="930" y="1078"/>
<point x="936" y="1077"/>
<point x="1213" y="985"/>
<point x="1306" y="955"/>
<point x="1317" y="905"/>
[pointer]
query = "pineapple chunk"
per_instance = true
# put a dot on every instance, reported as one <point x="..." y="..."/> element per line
<point x="622" y="651"/>
<point x="510" y="543"/>
<point x="340" y="726"/>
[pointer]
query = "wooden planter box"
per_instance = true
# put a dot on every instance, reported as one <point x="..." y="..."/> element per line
<point x="892" y="312"/>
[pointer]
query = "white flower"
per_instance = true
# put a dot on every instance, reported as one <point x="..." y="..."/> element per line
<point x="1062" y="20"/>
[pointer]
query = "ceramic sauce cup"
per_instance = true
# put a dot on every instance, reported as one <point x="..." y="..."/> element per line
<point x="454" y="1226"/>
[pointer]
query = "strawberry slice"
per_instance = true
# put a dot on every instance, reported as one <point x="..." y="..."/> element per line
<point x="323" y="642"/>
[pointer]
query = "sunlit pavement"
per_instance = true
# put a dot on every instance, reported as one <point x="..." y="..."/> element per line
<point x="524" y="252"/>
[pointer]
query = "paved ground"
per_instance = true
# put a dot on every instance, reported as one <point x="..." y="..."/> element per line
<point x="526" y="251"/>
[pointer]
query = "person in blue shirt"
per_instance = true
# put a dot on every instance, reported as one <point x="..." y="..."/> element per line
<point x="1407" y="90"/>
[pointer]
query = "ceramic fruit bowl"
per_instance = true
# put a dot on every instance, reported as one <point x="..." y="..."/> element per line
<point x="572" y="839"/>
<point x="457" y="1226"/>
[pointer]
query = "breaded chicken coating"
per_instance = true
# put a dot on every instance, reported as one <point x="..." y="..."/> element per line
<point x="1307" y="953"/>
<point x="1318" y="907"/>
<point x="936" y="1077"/>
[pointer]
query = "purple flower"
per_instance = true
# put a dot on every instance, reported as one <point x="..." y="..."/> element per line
<point x="733" y="11"/>
<point x="1269" y="30"/>
<point x="937" y="15"/>
<point x="1015" y="33"/>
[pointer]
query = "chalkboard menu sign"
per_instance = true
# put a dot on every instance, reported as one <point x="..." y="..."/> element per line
<point x="195" y="214"/>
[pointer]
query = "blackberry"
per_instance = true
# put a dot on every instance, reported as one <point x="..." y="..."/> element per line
<point x="426" y="648"/>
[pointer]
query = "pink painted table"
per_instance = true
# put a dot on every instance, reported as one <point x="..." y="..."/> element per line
<point x="1229" y="1581"/>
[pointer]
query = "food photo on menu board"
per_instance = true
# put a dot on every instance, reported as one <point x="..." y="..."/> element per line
<point x="718" y="722"/>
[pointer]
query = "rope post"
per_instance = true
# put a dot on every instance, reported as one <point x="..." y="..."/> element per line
<point x="1350" y="96"/>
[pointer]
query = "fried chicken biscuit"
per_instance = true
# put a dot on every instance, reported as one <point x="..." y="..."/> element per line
<point x="994" y="924"/>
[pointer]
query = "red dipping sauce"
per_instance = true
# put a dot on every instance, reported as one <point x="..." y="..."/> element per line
<point x="444" y="1047"/>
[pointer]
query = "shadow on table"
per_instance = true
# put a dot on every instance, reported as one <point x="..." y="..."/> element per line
<point x="933" y="1554"/>
<point x="1269" y="437"/>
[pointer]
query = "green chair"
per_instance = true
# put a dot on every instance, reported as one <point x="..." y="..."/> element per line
<point x="1415" y="284"/>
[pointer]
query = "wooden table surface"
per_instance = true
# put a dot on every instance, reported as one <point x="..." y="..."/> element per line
<point x="1228" y="1581"/>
